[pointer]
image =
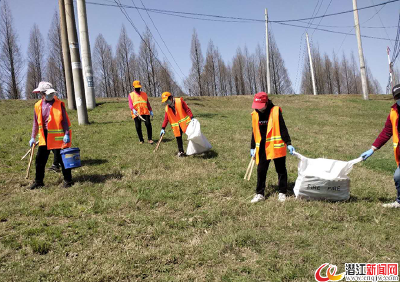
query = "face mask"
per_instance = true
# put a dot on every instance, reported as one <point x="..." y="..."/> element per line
<point x="49" y="97"/>
<point x="398" y="102"/>
<point x="169" y="102"/>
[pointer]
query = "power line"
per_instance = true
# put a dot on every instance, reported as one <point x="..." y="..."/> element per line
<point x="322" y="18"/>
<point x="239" y="19"/>
<point x="162" y="38"/>
<point x="338" y="32"/>
<point x="381" y="19"/>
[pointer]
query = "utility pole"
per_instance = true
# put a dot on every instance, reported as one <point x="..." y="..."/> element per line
<point x="267" y="51"/>
<point x="86" y="56"/>
<point x="66" y="57"/>
<point x="311" y="66"/>
<point x="76" y="64"/>
<point x="360" y="52"/>
<point x="391" y="83"/>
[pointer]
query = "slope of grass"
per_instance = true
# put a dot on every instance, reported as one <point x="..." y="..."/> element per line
<point x="137" y="215"/>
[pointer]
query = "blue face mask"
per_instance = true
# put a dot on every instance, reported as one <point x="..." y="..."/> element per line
<point x="398" y="102"/>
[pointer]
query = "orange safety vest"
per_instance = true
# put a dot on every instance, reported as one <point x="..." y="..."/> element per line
<point x="394" y="118"/>
<point x="55" y="131"/>
<point x="139" y="103"/>
<point x="179" y="119"/>
<point x="274" y="145"/>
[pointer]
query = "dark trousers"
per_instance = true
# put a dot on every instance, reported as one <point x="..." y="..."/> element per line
<point x="57" y="159"/>
<point x="138" y="125"/>
<point x="41" y="160"/>
<point x="180" y="142"/>
<point x="262" y="169"/>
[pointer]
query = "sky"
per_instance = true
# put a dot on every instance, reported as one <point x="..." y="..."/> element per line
<point x="228" y="36"/>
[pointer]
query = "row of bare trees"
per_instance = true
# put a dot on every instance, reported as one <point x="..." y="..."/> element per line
<point x="43" y="61"/>
<point x="335" y="76"/>
<point x="245" y="74"/>
<point x="209" y="75"/>
<point x="115" y="72"/>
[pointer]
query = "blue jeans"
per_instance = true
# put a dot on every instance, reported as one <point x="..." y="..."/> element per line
<point x="397" y="183"/>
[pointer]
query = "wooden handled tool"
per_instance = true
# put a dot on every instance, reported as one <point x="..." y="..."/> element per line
<point x="27" y="153"/>
<point x="158" y="143"/>
<point x="30" y="160"/>
<point x="249" y="169"/>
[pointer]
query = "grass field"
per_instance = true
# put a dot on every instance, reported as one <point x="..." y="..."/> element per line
<point x="135" y="215"/>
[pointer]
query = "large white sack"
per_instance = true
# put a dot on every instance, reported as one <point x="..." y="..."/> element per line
<point x="198" y="143"/>
<point x="323" y="179"/>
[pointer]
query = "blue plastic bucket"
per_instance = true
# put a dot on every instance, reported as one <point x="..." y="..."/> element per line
<point x="71" y="157"/>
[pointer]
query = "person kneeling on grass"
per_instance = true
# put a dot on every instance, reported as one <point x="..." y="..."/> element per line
<point x="268" y="142"/>
<point x="52" y="123"/>
<point x="391" y="129"/>
<point x="179" y="115"/>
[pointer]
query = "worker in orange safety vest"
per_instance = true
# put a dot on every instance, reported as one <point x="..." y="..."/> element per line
<point x="390" y="129"/>
<point x="140" y="108"/>
<point x="179" y="115"/>
<point x="269" y="141"/>
<point x="52" y="123"/>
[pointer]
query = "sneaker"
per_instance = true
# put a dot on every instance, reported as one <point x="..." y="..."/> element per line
<point x="54" y="168"/>
<point x="36" y="185"/>
<point x="392" y="205"/>
<point x="257" y="198"/>
<point x="181" y="154"/>
<point x="151" y="142"/>
<point x="67" y="184"/>
<point x="281" y="197"/>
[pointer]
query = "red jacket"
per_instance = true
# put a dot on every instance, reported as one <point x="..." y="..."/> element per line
<point x="386" y="132"/>
<point x="185" y="107"/>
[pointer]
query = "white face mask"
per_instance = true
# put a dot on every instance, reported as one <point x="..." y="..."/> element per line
<point x="49" y="97"/>
<point x="169" y="102"/>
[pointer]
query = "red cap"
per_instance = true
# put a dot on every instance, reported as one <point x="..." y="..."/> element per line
<point x="260" y="99"/>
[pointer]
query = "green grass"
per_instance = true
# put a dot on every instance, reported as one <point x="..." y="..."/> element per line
<point x="136" y="215"/>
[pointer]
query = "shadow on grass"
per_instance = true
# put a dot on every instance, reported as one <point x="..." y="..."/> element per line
<point x="109" y="122"/>
<point x="100" y="103"/>
<point x="166" y="140"/>
<point x="206" y="115"/>
<point x="97" y="178"/>
<point x="275" y="188"/>
<point x="370" y="199"/>
<point x="207" y="155"/>
<point x="93" y="162"/>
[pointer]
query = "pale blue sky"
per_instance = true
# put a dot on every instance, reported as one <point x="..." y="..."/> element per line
<point x="177" y="31"/>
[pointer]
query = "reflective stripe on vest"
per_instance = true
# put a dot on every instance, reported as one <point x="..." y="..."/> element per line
<point x="179" y="119"/>
<point x="139" y="103"/>
<point x="274" y="146"/>
<point x="394" y="118"/>
<point x="55" y="131"/>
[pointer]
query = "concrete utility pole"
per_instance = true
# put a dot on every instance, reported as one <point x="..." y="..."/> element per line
<point x="66" y="57"/>
<point x="86" y="56"/>
<point x="267" y="50"/>
<point x="391" y="84"/>
<point x="76" y="64"/>
<point x="311" y="66"/>
<point x="360" y="53"/>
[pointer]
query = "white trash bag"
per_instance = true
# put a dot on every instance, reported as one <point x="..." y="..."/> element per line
<point x="198" y="143"/>
<point x="323" y="179"/>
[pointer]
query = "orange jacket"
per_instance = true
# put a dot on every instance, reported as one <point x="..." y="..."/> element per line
<point x="394" y="118"/>
<point x="139" y="103"/>
<point x="179" y="119"/>
<point x="274" y="145"/>
<point x="55" y="132"/>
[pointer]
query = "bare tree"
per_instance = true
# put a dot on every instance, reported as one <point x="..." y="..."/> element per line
<point x="210" y="71"/>
<point x="195" y="83"/>
<point x="149" y="64"/>
<point x="249" y="71"/>
<point x="337" y="75"/>
<point x="55" y="69"/>
<point x="306" y="80"/>
<point x="11" y="63"/>
<point x="280" y="80"/>
<point x="123" y="56"/>
<point x="35" y="57"/>
<point x="261" y="68"/>
<point x="116" y="81"/>
<point x="346" y="73"/>
<point x="328" y="71"/>
<point x="102" y="61"/>
<point x="238" y="64"/>
<point x="355" y="75"/>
